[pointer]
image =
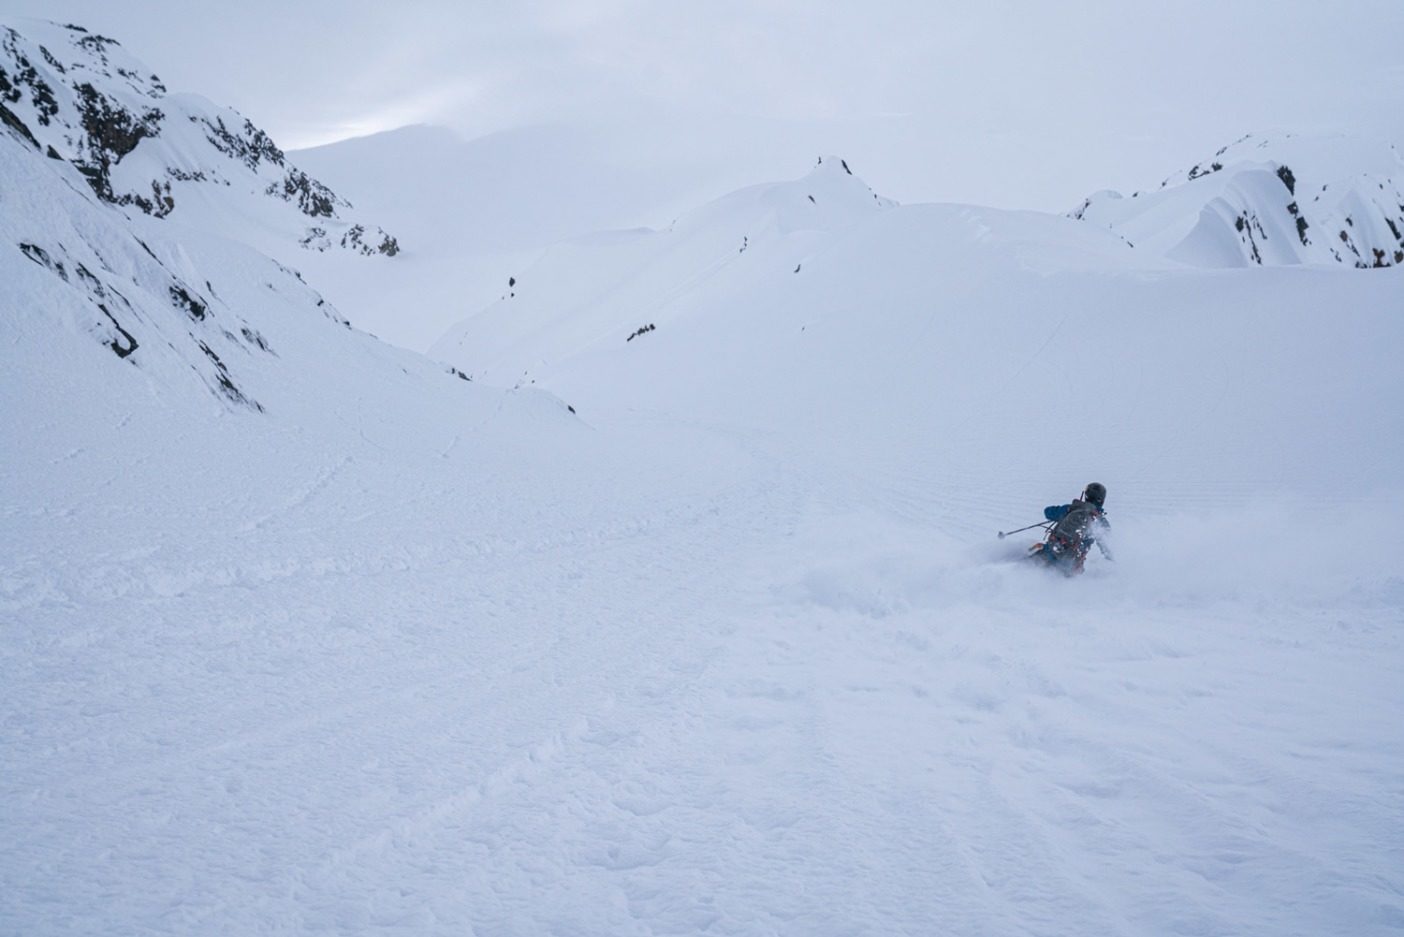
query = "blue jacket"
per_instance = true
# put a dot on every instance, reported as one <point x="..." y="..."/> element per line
<point x="1056" y="512"/>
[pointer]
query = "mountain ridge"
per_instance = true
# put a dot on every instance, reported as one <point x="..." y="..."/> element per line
<point x="1270" y="200"/>
<point x="81" y="97"/>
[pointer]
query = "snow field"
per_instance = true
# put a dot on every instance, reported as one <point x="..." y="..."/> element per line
<point x="732" y="649"/>
<point x="685" y="686"/>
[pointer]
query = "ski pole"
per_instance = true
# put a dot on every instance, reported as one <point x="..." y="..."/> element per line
<point x="1005" y="533"/>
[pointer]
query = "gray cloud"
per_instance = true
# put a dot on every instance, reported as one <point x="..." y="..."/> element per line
<point x="1003" y="102"/>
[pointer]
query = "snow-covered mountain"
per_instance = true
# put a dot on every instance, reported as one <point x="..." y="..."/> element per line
<point x="477" y="212"/>
<point x="613" y="284"/>
<point x="1270" y="200"/>
<point x="300" y="632"/>
<point x="811" y="306"/>
<point x="82" y="98"/>
<point x="169" y="316"/>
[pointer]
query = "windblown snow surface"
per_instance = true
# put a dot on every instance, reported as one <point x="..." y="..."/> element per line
<point x="733" y="648"/>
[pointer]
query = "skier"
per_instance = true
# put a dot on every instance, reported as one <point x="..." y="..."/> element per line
<point x="1076" y="527"/>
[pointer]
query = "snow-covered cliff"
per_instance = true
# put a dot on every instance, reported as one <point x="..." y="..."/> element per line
<point x="1270" y="200"/>
<point x="82" y="98"/>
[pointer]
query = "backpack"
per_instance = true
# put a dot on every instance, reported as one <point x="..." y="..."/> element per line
<point x="1071" y="533"/>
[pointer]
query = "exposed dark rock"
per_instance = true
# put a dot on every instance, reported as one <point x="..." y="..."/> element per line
<point x="41" y="94"/>
<point x="128" y="344"/>
<point x="251" y="148"/>
<point x="312" y="198"/>
<point x="41" y="257"/>
<point x="226" y="385"/>
<point x="90" y="280"/>
<point x="181" y="299"/>
<point x="159" y="205"/>
<point x="54" y="63"/>
<point x="97" y="44"/>
<point x="10" y="119"/>
<point x="1248" y="226"/>
<point x="113" y="132"/>
<point x="122" y="345"/>
<point x="253" y="337"/>
<point x="354" y="239"/>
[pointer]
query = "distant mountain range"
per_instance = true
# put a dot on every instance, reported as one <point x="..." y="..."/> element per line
<point x="1270" y="200"/>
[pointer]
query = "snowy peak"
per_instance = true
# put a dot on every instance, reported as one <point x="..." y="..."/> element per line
<point x="80" y="97"/>
<point x="611" y="288"/>
<point x="1270" y="200"/>
<point x="830" y="196"/>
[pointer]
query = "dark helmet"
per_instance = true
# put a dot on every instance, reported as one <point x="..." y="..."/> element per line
<point x="1096" y="493"/>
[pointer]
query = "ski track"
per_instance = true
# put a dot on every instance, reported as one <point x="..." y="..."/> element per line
<point x="782" y="739"/>
<point x="301" y="634"/>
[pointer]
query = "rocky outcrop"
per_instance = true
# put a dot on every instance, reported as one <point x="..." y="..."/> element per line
<point x="80" y="97"/>
<point x="1268" y="201"/>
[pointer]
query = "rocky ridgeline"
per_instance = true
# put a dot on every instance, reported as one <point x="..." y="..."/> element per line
<point x="1270" y="200"/>
<point x="80" y="97"/>
<point x="110" y="285"/>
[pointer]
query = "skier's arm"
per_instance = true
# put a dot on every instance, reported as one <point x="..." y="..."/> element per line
<point x="1056" y="512"/>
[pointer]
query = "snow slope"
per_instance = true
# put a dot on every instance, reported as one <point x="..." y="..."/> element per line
<point x="731" y="649"/>
<point x="83" y="98"/>
<point x="1270" y="200"/>
<point x="475" y="213"/>
<point x="471" y="214"/>
<point x="973" y="339"/>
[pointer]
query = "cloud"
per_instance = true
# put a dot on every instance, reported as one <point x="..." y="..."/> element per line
<point x="1114" y="95"/>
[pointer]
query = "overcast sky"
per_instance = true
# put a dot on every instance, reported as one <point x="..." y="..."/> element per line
<point x="1023" y="104"/>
